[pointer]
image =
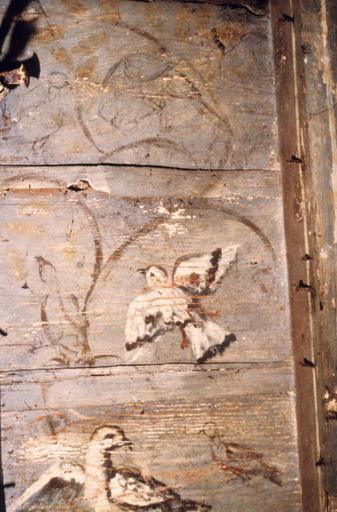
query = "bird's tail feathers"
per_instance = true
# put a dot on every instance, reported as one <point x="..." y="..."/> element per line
<point x="192" y="506"/>
<point x="208" y="339"/>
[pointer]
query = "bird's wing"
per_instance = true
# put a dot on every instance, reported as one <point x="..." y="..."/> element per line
<point x="129" y="488"/>
<point x="244" y="462"/>
<point x="201" y="273"/>
<point x="155" y="313"/>
<point x="57" y="489"/>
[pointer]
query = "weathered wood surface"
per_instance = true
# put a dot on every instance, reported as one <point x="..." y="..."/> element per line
<point x="180" y="421"/>
<point x="125" y="82"/>
<point x="173" y="105"/>
<point x="319" y="40"/>
<point x="300" y="212"/>
<point x="70" y="262"/>
<point x="316" y="33"/>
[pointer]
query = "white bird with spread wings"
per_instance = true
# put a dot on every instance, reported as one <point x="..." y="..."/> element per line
<point x="175" y="302"/>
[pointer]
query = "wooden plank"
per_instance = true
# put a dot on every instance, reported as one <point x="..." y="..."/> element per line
<point x="318" y="39"/>
<point x="70" y="263"/>
<point x="179" y="436"/>
<point x="151" y="83"/>
<point x="300" y="231"/>
<point x="318" y="57"/>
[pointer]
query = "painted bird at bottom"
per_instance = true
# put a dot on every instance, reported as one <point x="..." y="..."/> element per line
<point x="245" y="463"/>
<point x="239" y="461"/>
<point x="100" y="485"/>
<point x="174" y="301"/>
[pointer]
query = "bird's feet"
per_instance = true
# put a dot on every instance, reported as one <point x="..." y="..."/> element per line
<point x="185" y="343"/>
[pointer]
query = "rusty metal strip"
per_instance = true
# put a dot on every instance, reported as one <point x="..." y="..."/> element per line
<point x="296" y="187"/>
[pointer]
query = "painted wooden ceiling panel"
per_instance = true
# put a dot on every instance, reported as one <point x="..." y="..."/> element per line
<point x="220" y="440"/>
<point x="144" y="293"/>
<point x="132" y="273"/>
<point x="153" y="83"/>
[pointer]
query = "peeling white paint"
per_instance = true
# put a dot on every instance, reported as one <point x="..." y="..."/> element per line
<point x="331" y="406"/>
<point x="179" y="214"/>
<point x="161" y="209"/>
<point x="174" y="229"/>
<point x="323" y="253"/>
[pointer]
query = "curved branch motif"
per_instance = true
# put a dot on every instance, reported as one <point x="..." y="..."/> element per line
<point x="69" y="305"/>
<point x="155" y="141"/>
<point x="201" y="94"/>
<point x="76" y="314"/>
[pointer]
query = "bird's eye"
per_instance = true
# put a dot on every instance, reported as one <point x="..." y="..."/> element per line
<point x="151" y="274"/>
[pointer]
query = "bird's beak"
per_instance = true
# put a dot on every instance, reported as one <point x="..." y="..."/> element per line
<point x="128" y="444"/>
<point x="123" y="443"/>
<point x="141" y="270"/>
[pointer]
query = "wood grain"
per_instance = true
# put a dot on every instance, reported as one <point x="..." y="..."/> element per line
<point x="296" y="179"/>
<point x="149" y="141"/>
<point x="70" y="261"/>
<point x="144" y="83"/>
<point x="317" y="77"/>
<point x="179" y="435"/>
